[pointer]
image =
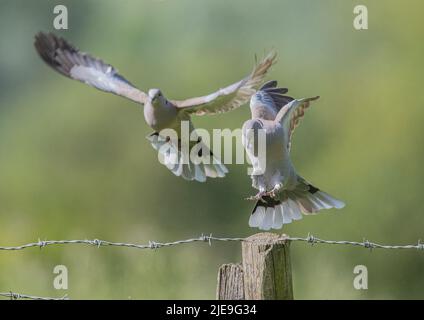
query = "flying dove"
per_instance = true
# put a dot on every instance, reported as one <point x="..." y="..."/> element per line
<point x="283" y="194"/>
<point x="159" y="112"/>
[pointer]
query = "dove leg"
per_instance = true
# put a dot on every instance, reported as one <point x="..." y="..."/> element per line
<point x="262" y="192"/>
<point x="275" y="190"/>
<point x="259" y="183"/>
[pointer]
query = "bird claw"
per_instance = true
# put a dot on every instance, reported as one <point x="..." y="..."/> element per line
<point x="274" y="191"/>
<point x="256" y="197"/>
<point x="271" y="194"/>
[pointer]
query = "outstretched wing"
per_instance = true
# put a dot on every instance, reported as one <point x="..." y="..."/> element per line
<point x="74" y="64"/>
<point x="232" y="96"/>
<point x="290" y="115"/>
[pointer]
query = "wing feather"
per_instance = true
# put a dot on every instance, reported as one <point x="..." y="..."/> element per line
<point x="290" y="115"/>
<point x="273" y="95"/>
<point x="74" y="64"/>
<point x="232" y="96"/>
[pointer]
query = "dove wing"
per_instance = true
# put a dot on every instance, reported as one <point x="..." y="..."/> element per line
<point x="232" y="96"/>
<point x="72" y="63"/>
<point x="290" y="115"/>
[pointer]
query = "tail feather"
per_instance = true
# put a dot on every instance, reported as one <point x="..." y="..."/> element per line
<point x="186" y="172"/>
<point x="179" y="162"/>
<point x="293" y="210"/>
<point x="318" y="203"/>
<point x="329" y="200"/>
<point x="278" y="219"/>
<point x="285" y="211"/>
<point x="305" y="204"/>
<point x="257" y="216"/>
<point x="199" y="173"/>
<point x="273" y="213"/>
<point x="268" y="220"/>
<point x="217" y="169"/>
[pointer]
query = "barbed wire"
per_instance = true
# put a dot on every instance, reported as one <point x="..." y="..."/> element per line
<point x="365" y="243"/>
<point x="17" y="296"/>
<point x="203" y="238"/>
<point x="206" y="238"/>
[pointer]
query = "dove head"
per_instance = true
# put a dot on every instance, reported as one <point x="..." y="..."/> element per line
<point x="156" y="96"/>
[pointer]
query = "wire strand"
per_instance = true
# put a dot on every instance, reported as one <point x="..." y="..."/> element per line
<point x="153" y="245"/>
<point x="17" y="296"/>
<point x="204" y="238"/>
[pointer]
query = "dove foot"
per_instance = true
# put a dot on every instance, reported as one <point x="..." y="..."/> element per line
<point x="258" y="196"/>
<point x="274" y="191"/>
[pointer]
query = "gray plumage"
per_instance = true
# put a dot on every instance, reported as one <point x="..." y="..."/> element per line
<point x="283" y="195"/>
<point x="159" y="112"/>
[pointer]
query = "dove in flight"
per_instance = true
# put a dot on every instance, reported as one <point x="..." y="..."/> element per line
<point x="159" y="112"/>
<point x="283" y="194"/>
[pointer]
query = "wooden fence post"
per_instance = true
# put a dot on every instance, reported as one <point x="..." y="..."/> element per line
<point x="230" y="282"/>
<point x="266" y="270"/>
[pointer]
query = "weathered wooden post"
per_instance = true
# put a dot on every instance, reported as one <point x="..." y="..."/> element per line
<point x="230" y="282"/>
<point x="265" y="269"/>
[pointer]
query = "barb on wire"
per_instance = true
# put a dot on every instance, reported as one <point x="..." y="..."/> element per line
<point x="17" y="296"/>
<point x="153" y="245"/>
<point x="204" y="238"/>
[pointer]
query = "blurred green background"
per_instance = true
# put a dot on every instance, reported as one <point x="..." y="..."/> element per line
<point x="74" y="162"/>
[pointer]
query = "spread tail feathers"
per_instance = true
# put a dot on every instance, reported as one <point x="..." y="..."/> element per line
<point x="180" y="164"/>
<point x="274" y="213"/>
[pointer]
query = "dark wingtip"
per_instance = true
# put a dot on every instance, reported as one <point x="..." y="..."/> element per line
<point x="38" y="39"/>
<point x="39" y="35"/>
<point x="49" y="46"/>
<point x="51" y="42"/>
<point x="269" y="84"/>
<point x="42" y="40"/>
<point x="44" y="44"/>
<point x="277" y="90"/>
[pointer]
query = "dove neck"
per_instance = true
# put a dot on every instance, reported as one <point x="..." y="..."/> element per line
<point x="263" y="112"/>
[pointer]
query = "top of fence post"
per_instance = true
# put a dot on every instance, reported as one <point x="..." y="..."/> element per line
<point x="267" y="267"/>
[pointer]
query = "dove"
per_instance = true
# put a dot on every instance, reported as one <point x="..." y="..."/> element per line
<point x="160" y="113"/>
<point x="283" y="194"/>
